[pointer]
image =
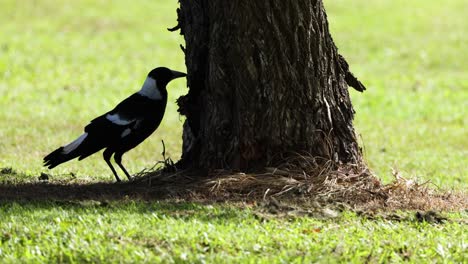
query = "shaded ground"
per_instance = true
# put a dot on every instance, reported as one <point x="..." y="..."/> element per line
<point x="304" y="185"/>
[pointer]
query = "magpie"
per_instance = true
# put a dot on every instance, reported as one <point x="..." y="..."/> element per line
<point x="122" y="128"/>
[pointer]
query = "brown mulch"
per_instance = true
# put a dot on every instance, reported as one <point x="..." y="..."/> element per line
<point x="303" y="181"/>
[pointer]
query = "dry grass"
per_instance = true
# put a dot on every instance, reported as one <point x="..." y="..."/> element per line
<point x="307" y="181"/>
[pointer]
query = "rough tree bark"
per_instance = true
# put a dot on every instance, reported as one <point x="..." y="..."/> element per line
<point x="265" y="80"/>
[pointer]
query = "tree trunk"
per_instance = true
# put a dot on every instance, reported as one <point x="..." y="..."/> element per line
<point x="265" y="81"/>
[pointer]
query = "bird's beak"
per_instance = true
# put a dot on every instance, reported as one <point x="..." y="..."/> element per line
<point x="177" y="74"/>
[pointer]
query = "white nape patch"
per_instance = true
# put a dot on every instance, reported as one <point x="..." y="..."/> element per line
<point x="73" y="145"/>
<point x="125" y="133"/>
<point x="116" y="119"/>
<point x="150" y="89"/>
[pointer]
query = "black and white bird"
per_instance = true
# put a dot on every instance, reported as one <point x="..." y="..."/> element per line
<point x="122" y="128"/>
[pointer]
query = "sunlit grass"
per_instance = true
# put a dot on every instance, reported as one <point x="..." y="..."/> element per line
<point x="412" y="57"/>
<point x="149" y="232"/>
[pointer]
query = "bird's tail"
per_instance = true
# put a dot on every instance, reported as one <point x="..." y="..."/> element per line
<point x="66" y="153"/>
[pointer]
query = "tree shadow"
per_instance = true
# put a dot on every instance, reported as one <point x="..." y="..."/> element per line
<point x="168" y="209"/>
<point x="100" y="191"/>
<point x="139" y="197"/>
<point x="193" y="186"/>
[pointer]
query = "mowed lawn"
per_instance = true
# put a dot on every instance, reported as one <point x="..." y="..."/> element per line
<point x="62" y="63"/>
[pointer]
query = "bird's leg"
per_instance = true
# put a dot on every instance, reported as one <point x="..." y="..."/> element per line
<point x="118" y="160"/>
<point x="107" y="156"/>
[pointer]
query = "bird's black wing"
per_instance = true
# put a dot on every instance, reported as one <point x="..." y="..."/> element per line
<point x="104" y="131"/>
<point x="129" y="110"/>
<point x="111" y="127"/>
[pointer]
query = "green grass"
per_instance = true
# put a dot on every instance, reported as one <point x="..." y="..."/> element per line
<point x="149" y="232"/>
<point x="412" y="57"/>
<point x="63" y="63"/>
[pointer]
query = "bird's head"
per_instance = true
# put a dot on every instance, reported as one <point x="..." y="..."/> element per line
<point x="163" y="75"/>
